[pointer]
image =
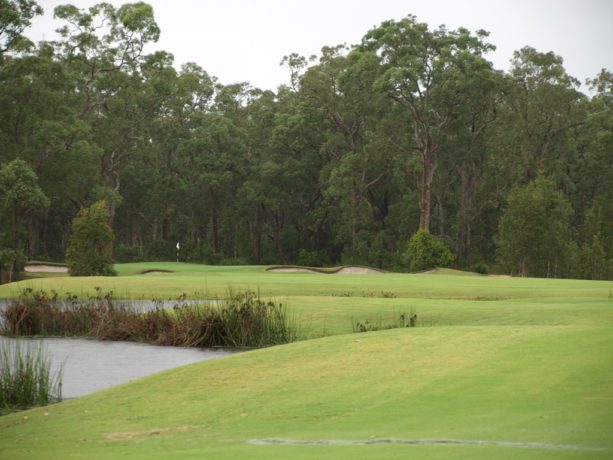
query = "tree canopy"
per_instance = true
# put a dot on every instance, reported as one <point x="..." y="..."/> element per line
<point x="410" y="129"/>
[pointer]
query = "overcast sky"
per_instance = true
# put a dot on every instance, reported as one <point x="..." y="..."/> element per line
<point x="245" y="40"/>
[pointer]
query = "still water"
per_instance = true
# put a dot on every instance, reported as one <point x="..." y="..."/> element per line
<point x="92" y="365"/>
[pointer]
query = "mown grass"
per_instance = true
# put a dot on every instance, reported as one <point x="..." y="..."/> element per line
<point x="547" y="385"/>
<point x="197" y="280"/>
<point x="524" y="361"/>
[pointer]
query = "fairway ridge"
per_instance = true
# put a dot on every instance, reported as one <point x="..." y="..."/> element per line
<point x="342" y="270"/>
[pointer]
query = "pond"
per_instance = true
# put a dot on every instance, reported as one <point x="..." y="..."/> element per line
<point x="91" y="365"/>
<point x="139" y="304"/>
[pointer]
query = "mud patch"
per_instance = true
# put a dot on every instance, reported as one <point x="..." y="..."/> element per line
<point x="129" y="435"/>
<point x="420" y="442"/>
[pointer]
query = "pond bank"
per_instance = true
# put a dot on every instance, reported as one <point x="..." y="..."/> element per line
<point x="92" y="365"/>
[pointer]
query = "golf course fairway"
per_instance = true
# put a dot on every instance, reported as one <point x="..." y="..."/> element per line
<point x="497" y="368"/>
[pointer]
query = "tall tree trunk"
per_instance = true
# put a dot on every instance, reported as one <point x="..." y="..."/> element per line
<point x="465" y="229"/>
<point x="257" y="235"/>
<point x="214" y="221"/>
<point x="425" y="191"/>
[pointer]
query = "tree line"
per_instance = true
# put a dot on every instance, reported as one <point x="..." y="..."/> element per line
<point x="410" y="131"/>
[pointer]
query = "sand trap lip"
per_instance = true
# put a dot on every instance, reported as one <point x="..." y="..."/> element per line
<point x="420" y="442"/>
<point x="43" y="268"/>
<point x="344" y="270"/>
<point x="155" y="271"/>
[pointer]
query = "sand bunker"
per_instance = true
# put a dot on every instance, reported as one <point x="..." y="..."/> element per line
<point x="43" y="268"/>
<point x="155" y="272"/>
<point x="291" y="270"/>
<point x="352" y="270"/>
<point x="345" y="270"/>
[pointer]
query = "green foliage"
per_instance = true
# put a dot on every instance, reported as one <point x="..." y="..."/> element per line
<point x="313" y="258"/>
<point x="403" y="320"/>
<point x="241" y="320"/>
<point x="26" y="379"/>
<point x="593" y="261"/>
<point x="20" y="198"/>
<point x="534" y="236"/>
<point x="91" y="244"/>
<point x="15" y="16"/>
<point x="480" y="268"/>
<point x="412" y="128"/>
<point x="425" y="251"/>
<point x="124" y="253"/>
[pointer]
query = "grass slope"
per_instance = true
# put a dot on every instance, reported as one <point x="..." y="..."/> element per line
<point x="546" y="385"/>
<point x="525" y="362"/>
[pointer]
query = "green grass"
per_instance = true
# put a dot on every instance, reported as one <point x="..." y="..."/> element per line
<point x="525" y="361"/>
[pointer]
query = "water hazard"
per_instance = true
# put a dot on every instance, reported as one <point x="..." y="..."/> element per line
<point x="91" y="365"/>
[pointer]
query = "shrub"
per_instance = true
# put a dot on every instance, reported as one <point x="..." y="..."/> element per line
<point x="240" y="320"/>
<point x="91" y="245"/>
<point x="426" y="251"/>
<point x="312" y="258"/>
<point x="480" y="268"/>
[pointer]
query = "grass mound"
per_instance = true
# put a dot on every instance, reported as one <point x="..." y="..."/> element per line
<point x="343" y="269"/>
<point x="449" y="271"/>
<point x="497" y="392"/>
<point x="153" y="271"/>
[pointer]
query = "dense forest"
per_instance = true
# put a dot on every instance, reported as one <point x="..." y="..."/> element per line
<point x="410" y="129"/>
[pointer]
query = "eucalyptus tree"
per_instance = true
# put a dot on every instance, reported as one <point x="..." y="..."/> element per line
<point x="102" y="46"/>
<point x="21" y="197"/>
<point x="544" y="105"/>
<point x="38" y="124"/>
<point x="15" y="17"/>
<point x="341" y="86"/>
<point x="593" y="178"/>
<point x="300" y="130"/>
<point x="427" y="72"/>
<point x="594" y="172"/>
<point x="535" y="237"/>
<point x="468" y="183"/>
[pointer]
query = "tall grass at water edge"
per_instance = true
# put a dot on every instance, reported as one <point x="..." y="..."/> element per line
<point x="241" y="320"/>
<point x="26" y="379"/>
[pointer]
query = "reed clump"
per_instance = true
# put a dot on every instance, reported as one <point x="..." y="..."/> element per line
<point x="26" y="378"/>
<point x="403" y="320"/>
<point x="240" y="320"/>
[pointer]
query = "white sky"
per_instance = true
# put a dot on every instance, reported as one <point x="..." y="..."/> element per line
<point x="245" y="40"/>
